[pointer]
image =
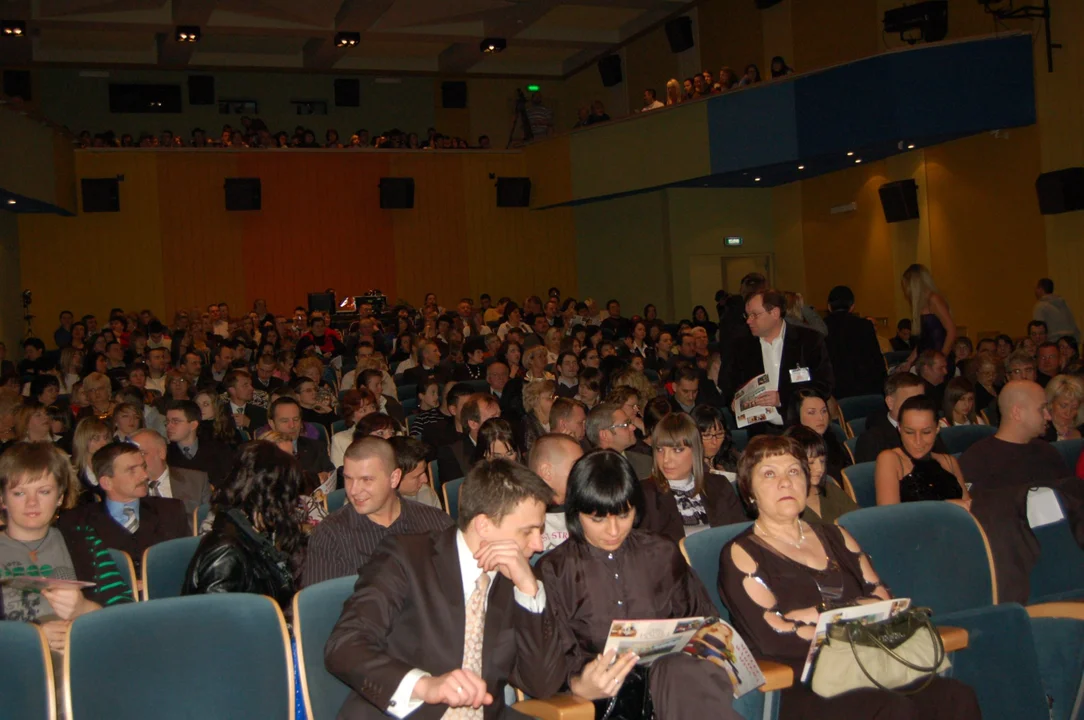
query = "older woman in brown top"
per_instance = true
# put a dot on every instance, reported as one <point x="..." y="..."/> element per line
<point x="778" y="575"/>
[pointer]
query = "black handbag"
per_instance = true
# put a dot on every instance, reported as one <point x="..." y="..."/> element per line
<point x="632" y="701"/>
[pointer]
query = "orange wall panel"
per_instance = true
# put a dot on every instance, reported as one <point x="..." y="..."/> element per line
<point x="731" y="33"/>
<point x="828" y="33"/>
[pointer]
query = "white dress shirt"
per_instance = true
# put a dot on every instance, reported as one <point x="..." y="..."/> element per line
<point x="402" y="704"/>
<point x="165" y="489"/>
<point x="772" y="355"/>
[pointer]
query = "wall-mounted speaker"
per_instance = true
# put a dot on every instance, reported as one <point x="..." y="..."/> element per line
<point x="100" y="194"/>
<point x="17" y="84"/>
<point x="1061" y="191"/>
<point x="765" y="4"/>
<point x="243" y="194"/>
<point x="453" y="94"/>
<point x="679" y="32"/>
<point x="513" y="192"/>
<point x="397" y="193"/>
<point x="347" y="92"/>
<point x="899" y="200"/>
<point x="322" y="302"/>
<point x="609" y="68"/>
<point x="201" y="89"/>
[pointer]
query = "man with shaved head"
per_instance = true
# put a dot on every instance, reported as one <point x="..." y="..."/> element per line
<point x="190" y="486"/>
<point x="1015" y="455"/>
<point x="552" y="458"/>
<point x="346" y="539"/>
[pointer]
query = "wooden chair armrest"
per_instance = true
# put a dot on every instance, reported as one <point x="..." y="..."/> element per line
<point x="1072" y="610"/>
<point x="953" y="638"/>
<point x="558" y="707"/>
<point x="777" y="676"/>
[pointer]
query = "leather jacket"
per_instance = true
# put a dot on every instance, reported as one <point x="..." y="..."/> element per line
<point x="233" y="557"/>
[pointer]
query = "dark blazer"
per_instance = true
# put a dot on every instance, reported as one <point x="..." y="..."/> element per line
<point x="857" y="362"/>
<point x="454" y="459"/>
<point x="662" y="517"/>
<point x="802" y="347"/>
<point x="212" y="457"/>
<point x="160" y="519"/>
<point x="273" y="384"/>
<point x="312" y="456"/>
<point x="511" y="400"/>
<point x="408" y="611"/>
<point x="417" y="375"/>
<point x="395" y="410"/>
<point x="192" y="487"/>
<point x="642" y="463"/>
<point x="257" y="417"/>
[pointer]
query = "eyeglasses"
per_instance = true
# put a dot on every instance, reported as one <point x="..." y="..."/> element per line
<point x="619" y="426"/>
<point x="713" y="435"/>
<point x="753" y="316"/>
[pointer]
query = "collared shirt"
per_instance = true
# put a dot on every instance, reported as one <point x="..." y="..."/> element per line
<point x="772" y="355"/>
<point x="237" y="409"/>
<point x="165" y="489"/>
<point x="893" y="422"/>
<point x="193" y="449"/>
<point x="116" y="510"/>
<point x="568" y="383"/>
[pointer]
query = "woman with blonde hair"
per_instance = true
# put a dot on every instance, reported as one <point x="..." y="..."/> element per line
<point x="538" y="400"/>
<point x="99" y="392"/>
<point x="798" y="313"/>
<point x="931" y="319"/>
<point x="535" y="361"/>
<point x="673" y="92"/>
<point x="91" y="435"/>
<point x="216" y="419"/>
<point x="553" y="345"/>
<point x="1065" y="395"/>
<point x="71" y="361"/>
<point x="638" y="381"/>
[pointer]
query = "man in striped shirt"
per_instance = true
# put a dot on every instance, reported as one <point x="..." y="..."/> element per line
<point x="346" y="539"/>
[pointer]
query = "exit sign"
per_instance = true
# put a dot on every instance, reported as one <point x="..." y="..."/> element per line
<point x="733" y="241"/>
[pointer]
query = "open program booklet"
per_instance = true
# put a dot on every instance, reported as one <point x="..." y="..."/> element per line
<point x="868" y="614"/>
<point x="745" y="411"/>
<point x="707" y="638"/>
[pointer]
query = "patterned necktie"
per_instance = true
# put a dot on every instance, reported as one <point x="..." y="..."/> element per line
<point x="131" y="521"/>
<point x="187" y="451"/>
<point x="472" y="644"/>
<point x="152" y="488"/>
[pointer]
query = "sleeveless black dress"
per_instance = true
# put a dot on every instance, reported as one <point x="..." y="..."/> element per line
<point x="929" y="481"/>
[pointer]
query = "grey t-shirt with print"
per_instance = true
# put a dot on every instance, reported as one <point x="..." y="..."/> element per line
<point x="53" y="560"/>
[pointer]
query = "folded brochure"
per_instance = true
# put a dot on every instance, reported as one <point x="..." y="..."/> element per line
<point x="33" y="582"/>
<point x="867" y="614"/>
<point x="746" y="411"/>
<point x="710" y="639"/>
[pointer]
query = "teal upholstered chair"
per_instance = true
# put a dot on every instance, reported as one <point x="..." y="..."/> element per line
<point x="852" y="442"/>
<point x="410" y="406"/>
<point x="837" y="430"/>
<point x="740" y="437"/>
<point x="478" y="386"/>
<point x="434" y="477"/>
<point x="126" y="569"/>
<point x="1070" y="451"/>
<point x="451" y="497"/>
<point x="26" y="684"/>
<point x="316" y="610"/>
<point x="339" y="425"/>
<point x="959" y="438"/>
<point x="224" y="655"/>
<point x="858" y="426"/>
<point x="407" y="392"/>
<point x="165" y="565"/>
<point x="859" y="406"/>
<point x="1059" y="572"/>
<point x="336" y="499"/>
<point x="198" y="516"/>
<point x="860" y="477"/>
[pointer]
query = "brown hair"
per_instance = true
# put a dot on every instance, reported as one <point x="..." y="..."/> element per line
<point x="352" y="401"/>
<point x="495" y="487"/>
<point x="766" y="446"/>
<point x="533" y="392"/>
<point x="678" y="430"/>
<point x="23" y="413"/>
<point x="28" y="461"/>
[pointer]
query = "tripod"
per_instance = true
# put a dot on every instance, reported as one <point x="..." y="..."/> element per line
<point x="520" y="116"/>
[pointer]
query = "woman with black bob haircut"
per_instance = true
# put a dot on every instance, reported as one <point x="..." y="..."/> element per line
<point x="825" y="500"/>
<point x="257" y="542"/>
<point x="607" y="570"/>
<point x="719" y="453"/>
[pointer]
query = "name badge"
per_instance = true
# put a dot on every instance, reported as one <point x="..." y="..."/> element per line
<point x="800" y="375"/>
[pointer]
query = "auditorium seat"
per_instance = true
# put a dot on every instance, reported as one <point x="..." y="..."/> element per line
<point x="740" y="438"/>
<point x="339" y="425"/>
<point x="126" y="569"/>
<point x="220" y="656"/>
<point x="894" y="358"/>
<point x="1070" y="451"/>
<point x="1059" y="572"/>
<point x="165" y="565"/>
<point x="860" y="477"/>
<point x="434" y="478"/>
<point x="199" y="515"/>
<point x="478" y="386"/>
<point x="408" y="391"/>
<point x="858" y="407"/>
<point x="335" y="500"/>
<point x="959" y="438"/>
<point x="852" y="442"/>
<point x="26" y="684"/>
<point x="702" y="551"/>
<point x="858" y="426"/>
<point x="316" y="609"/>
<point x="451" y="497"/>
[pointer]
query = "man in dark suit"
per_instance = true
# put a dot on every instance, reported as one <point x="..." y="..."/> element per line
<point x="188" y="450"/>
<point x="128" y="519"/>
<point x="240" y="390"/>
<point x="215" y="373"/>
<point x="689" y="384"/>
<point x="882" y="427"/>
<point x="265" y="379"/>
<point x="454" y="459"/>
<point x="794" y="358"/>
<point x="428" y="366"/>
<point x="407" y="641"/>
<point x="509" y="392"/>
<point x="856" y="356"/>
<point x="933" y="368"/>
<point x="374" y="380"/>
<point x="285" y="417"/>
<point x="189" y="486"/>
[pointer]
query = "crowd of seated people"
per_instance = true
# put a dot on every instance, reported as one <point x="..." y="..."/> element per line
<point x="254" y="133"/>
<point x="706" y="84"/>
<point x="599" y="438"/>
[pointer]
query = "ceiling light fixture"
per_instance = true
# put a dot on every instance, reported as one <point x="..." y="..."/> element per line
<point x="858" y="161"/>
<point x="911" y="146"/>
<point x="756" y="179"/>
<point x="11" y="202"/>
<point x="12" y="28"/>
<point x="347" y="39"/>
<point x="187" y="34"/>
<point x="801" y="167"/>
<point x="492" y="45"/>
<point x="850" y="154"/>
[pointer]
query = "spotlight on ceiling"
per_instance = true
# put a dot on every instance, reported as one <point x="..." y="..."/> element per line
<point x="12" y="28"/>
<point x="493" y="45"/>
<point x="921" y="22"/>
<point x="347" y="39"/>
<point x="187" y="34"/>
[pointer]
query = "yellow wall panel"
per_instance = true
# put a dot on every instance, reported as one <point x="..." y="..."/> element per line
<point x="828" y="33"/>
<point x="732" y="33"/>
<point x="549" y="165"/>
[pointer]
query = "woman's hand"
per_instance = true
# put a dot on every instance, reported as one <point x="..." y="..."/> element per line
<point x="56" y="634"/>
<point x="602" y="677"/>
<point x="67" y="603"/>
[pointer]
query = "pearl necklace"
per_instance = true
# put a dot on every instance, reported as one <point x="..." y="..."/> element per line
<point x="801" y="535"/>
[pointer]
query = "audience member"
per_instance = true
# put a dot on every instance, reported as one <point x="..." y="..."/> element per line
<point x="192" y="487"/>
<point x="1053" y="312"/>
<point x="853" y="350"/>
<point x="285" y="417"/>
<point x="496" y="440"/>
<point x="240" y="390"/>
<point x="568" y="417"/>
<point x="931" y="320"/>
<point x="610" y="428"/>
<point x="188" y="449"/>
<point x="932" y="367"/>
<point x="1047" y="362"/>
<point x="411" y="457"/>
<point x="826" y="501"/>
<point x="552" y="458"/>
<point x="720" y="457"/>
<point x="1064" y="397"/>
<point x="882" y="426"/>
<point x="959" y="404"/>
<point x="902" y="341"/>
<point x="538" y="398"/>
<point x="455" y="458"/>
<point x="810" y="409"/>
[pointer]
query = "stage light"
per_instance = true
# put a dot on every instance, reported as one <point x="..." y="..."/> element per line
<point x="12" y="28"/>
<point x="493" y="45"/>
<point x="858" y="161"/>
<point x="756" y="179"/>
<point x="11" y="202"/>
<point x="187" y="34"/>
<point x="911" y="146"/>
<point x="347" y="39"/>
<point x="850" y="154"/>
<point x="921" y="22"/>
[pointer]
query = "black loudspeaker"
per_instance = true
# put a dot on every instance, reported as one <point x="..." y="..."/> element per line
<point x="17" y="84"/>
<point x="347" y="92"/>
<point x="513" y="192"/>
<point x="679" y="32"/>
<point x="243" y="193"/>
<point x="453" y="94"/>
<point x="100" y="195"/>
<point x="1061" y="191"/>
<point x="322" y="302"/>
<point x="396" y="193"/>
<point x="899" y="200"/>
<point x="765" y="4"/>
<point x="201" y="89"/>
<point x="609" y="68"/>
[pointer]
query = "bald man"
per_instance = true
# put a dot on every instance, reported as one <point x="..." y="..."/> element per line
<point x="346" y="539"/>
<point x="1015" y="455"/>
<point x="192" y="487"/>
<point x="552" y="458"/>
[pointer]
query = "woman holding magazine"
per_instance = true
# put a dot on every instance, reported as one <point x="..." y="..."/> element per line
<point x="781" y="573"/>
<point x="608" y="571"/>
